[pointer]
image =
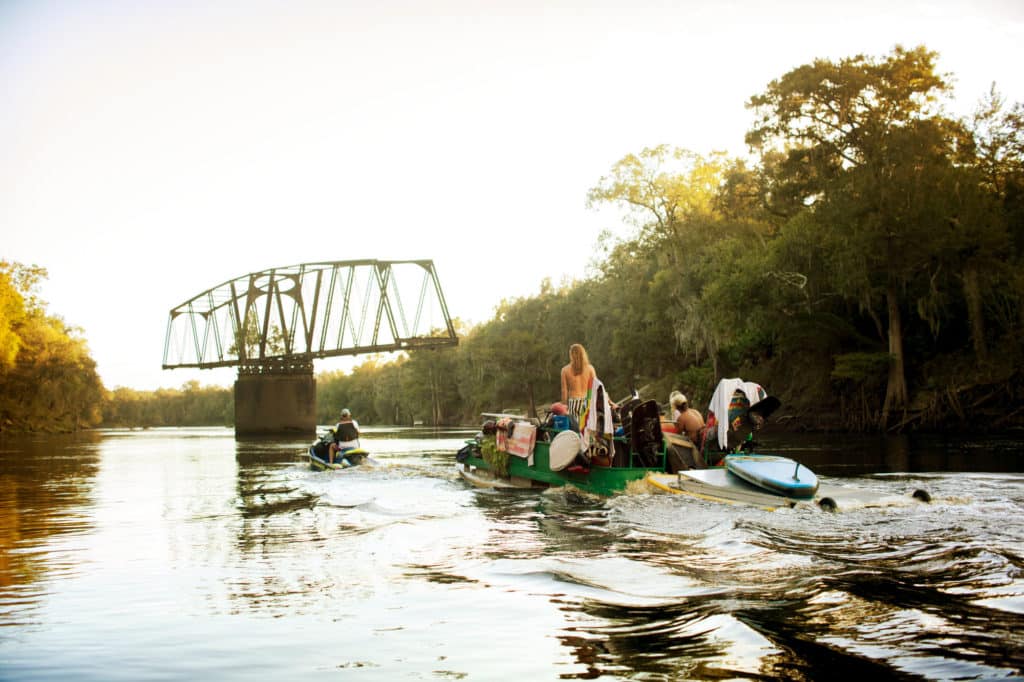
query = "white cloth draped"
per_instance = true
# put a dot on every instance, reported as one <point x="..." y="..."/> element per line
<point x="590" y="427"/>
<point x="719" y="406"/>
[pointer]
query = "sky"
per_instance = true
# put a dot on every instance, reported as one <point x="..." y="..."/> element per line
<point x="152" y="151"/>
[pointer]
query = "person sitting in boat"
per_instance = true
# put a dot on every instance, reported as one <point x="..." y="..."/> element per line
<point x="559" y="418"/>
<point x="688" y="421"/>
<point x="346" y="435"/>
<point x="576" y="380"/>
<point x="729" y="410"/>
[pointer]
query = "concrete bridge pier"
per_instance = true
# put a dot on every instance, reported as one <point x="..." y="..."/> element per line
<point x="275" y="402"/>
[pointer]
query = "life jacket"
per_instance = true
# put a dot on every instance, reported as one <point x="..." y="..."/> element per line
<point x="345" y="431"/>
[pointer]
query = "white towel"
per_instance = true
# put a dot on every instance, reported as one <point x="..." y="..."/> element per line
<point x="719" y="406"/>
<point x="590" y="425"/>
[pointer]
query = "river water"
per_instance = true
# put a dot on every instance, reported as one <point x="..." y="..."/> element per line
<point x="183" y="554"/>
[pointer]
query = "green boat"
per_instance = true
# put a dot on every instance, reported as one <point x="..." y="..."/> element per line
<point x="555" y="460"/>
<point x="553" y="454"/>
<point x="599" y="480"/>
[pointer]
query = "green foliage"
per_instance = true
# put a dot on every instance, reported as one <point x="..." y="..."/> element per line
<point x="191" y="405"/>
<point x="861" y="367"/>
<point x="12" y="313"/>
<point x="495" y="458"/>
<point x="888" y="194"/>
<point x="252" y="336"/>
<point x="48" y="380"/>
<point x="427" y="386"/>
<point x="860" y="378"/>
<point x="697" y="382"/>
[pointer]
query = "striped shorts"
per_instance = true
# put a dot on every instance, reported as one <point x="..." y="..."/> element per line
<point x="576" y="407"/>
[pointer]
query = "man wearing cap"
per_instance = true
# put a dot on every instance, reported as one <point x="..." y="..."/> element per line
<point x="346" y="434"/>
<point x="687" y="419"/>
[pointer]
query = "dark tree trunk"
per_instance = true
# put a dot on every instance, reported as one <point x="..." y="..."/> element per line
<point x="975" y="313"/>
<point x="896" y="389"/>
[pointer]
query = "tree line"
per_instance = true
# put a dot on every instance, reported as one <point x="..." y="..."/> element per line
<point x="48" y="379"/>
<point x="190" y="405"/>
<point x="864" y="264"/>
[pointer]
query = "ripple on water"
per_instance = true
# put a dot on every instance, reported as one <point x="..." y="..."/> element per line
<point x="253" y="563"/>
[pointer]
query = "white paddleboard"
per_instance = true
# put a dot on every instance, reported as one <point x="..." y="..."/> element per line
<point x="564" y="448"/>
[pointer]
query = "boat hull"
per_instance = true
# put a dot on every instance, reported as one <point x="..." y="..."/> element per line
<point x="483" y="478"/>
<point x="346" y="460"/>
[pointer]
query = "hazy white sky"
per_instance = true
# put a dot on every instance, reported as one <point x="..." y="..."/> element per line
<point x="150" y="151"/>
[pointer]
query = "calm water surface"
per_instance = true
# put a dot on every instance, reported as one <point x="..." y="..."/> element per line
<point x="181" y="554"/>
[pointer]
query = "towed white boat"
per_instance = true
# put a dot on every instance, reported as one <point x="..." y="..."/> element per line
<point x="719" y="484"/>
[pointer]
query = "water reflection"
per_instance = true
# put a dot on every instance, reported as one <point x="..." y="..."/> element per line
<point x="262" y="490"/>
<point x="857" y="454"/>
<point x="275" y="522"/>
<point x="46" y="485"/>
<point x="663" y="640"/>
<point x="407" y="572"/>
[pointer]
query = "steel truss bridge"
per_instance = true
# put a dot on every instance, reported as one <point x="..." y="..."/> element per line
<point x="281" y="319"/>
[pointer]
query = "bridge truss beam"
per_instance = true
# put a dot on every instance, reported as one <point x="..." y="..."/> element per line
<point x="282" y="319"/>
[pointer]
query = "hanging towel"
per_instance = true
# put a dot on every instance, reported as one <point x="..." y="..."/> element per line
<point x="590" y="419"/>
<point x="502" y="434"/>
<point x="720" y="401"/>
<point x="524" y="437"/>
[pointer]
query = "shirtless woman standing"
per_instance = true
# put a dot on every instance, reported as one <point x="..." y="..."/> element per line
<point x="576" y="377"/>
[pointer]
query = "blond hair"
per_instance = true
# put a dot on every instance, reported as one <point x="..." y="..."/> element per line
<point x="578" y="359"/>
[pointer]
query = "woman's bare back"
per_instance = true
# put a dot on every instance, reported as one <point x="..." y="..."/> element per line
<point x="576" y="385"/>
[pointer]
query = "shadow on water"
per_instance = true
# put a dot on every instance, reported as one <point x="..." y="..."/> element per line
<point x="663" y="640"/>
<point x="882" y="623"/>
<point x="888" y="625"/>
<point x="802" y="653"/>
<point x="893" y="596"/>
<point x="689" y="640"/>
<point x="842" y="454"/>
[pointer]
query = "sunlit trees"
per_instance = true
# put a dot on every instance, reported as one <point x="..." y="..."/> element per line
<point x="12" y="312"/>
<point x="695" y="253"/>
<point x="48" y="379"/>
